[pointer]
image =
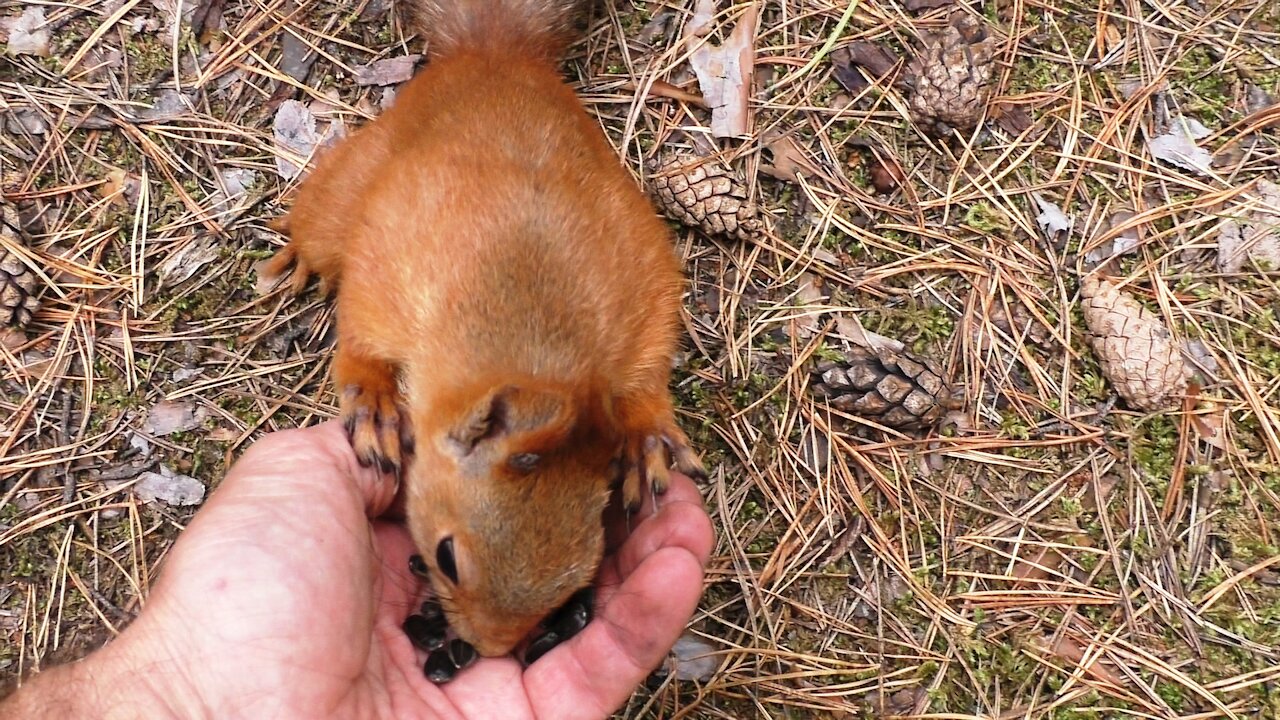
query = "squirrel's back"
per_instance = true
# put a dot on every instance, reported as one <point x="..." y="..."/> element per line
<point x="523" y="27"/>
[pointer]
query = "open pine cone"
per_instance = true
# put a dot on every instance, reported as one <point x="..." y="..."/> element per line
<point x="950" y="77"/>
<point x="1137" y="353"/>
<point x="894" y="389"/>
<point x="703" y="194"/>
<point x="18" y="285"/>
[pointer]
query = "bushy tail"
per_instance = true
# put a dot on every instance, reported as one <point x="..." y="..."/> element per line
<point x="519" y="27"/>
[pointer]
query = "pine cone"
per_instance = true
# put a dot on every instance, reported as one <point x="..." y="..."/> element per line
<point x="951" y="77"/>
<point x="18" y="284"/>
<point x="897" y="390"/>
<point x="1135" y="349"/>
<point x="702" y="194"/>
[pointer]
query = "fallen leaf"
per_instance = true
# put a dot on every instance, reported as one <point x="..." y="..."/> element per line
<point x="26" y="122"/>
<point x="851" y="329"/>
<point x="656" y="28"/>
<point x="171" y="416"/>
<point x="169" y="488"/>
<point x="1177" y="146"/>
<point x="788" y="160"/>
<point x="184" y="263"/>
<point x="223" y="434"/>
<point x="12" y="339"/>
<point x="1123" y="244"/>
<point x="918" y="5"/>
<point x="1256" y="99"/>
<point x="810" y="294"/>
<point x="27" y="33"/>
<point x="724" y="73"/>
<point x="1211" y="426"/>
<point x="295" y="134"/>
<point x="1013" y="119"/>
<point x="296" y="56"/>
<point x="120" y="187"/>
<point x="1091" y="500"/>
<point x="235" y="184"/>
<point x="176" y="13"/>
<point x="265" y="283"/>
<point x="166" y="105"/>
<point x="886" y="174"/>
<point x="207" y="19"/>
<point x="390" y="71"/>
<point x="1044" y="564"/>
<point x="1067" y="648"/>
<point x="882" y="704"/>
<point x="1131" y="86"/>
<point x="1254" y="234"/>
<point x="694" y="659"/>
<point x="375" y="11"/>
<point x="1199" y="355"/>
<point x="876" y="60"/>
<point x="662" y="88"/>
<point x="185" y="373"/>
<point x="1054" y="223"/>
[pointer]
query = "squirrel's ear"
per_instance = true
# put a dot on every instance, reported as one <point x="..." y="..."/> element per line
<point x="536" y="420"/>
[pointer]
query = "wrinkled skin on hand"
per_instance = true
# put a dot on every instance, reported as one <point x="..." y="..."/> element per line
<point x="286" y="595"/>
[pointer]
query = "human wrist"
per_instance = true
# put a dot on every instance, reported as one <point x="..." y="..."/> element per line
<point x="114" y="683"/>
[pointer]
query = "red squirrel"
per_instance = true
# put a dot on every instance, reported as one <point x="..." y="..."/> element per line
<point x="507" y="314"/>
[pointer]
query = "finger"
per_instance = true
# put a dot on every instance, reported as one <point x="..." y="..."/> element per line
<point x="591" y="675"/>
<point x="619" y="524"/>
<point x="313" y="458"/>
<point x="681" y="523"/>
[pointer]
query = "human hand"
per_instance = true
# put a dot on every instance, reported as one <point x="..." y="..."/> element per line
<point x="285" y="597"/>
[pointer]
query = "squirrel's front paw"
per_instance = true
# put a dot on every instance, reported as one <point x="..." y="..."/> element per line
<point x="647" y="456"/>
<point x="377" y="424"/>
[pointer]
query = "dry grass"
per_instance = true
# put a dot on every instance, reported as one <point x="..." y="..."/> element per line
<point x="1054" y="556"/>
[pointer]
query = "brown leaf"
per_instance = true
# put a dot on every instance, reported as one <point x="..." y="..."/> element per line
<point x="389" y="71"/>
<point x="207" y="19"/>
<point x="222" y="434"/>
<point x="850" y="328"/>
<point x="171" y="416"/>
<point x="788" y="160"/>
<point x="1044" y="563"/>
<point x="811" y="294"/>
<point x="724" y="74"/>
<point x="886" y="175"/>
<point x="918" y="5"/>
<point x="1067" y="648"/>
<point x="12" y="339"/>
<point x="1091" y="501"/>
<point x="1013" y="119"/>
<point x="1211" y="426"/>
<point x="877" y="61"/>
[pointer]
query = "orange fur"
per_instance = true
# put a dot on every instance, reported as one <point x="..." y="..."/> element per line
<point x="504" y="290"/>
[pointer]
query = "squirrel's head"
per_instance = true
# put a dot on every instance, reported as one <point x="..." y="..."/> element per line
<point x="505" y="500"/>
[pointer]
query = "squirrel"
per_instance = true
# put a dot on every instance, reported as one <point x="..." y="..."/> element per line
<point x="507" y="304"/>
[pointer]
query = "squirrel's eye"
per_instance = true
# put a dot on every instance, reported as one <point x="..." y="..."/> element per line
<point x="524" y="462"/>
<point x="444" y="559"/>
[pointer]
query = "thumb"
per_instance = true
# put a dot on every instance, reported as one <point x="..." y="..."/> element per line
<point x="313" y="456"/>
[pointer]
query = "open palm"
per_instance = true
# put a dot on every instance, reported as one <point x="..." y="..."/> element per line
<point x="285" y="599"/>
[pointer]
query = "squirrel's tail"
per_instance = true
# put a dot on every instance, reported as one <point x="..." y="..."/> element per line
<point x="518" y="27"/>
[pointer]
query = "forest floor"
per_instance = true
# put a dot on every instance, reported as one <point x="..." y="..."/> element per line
<point x="1050" y="550"/>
